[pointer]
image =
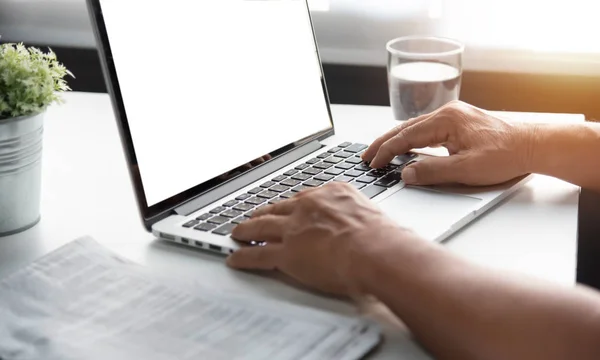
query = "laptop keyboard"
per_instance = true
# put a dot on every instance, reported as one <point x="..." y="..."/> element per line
<point x="341" y="163"/>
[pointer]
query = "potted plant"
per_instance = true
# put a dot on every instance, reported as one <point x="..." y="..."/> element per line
<point x="30" y="81"/>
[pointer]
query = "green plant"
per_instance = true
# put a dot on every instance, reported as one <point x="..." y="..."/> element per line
<point x="30" y="80"/>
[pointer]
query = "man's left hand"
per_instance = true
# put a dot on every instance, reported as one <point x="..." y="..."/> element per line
<point x="317" y="237"/>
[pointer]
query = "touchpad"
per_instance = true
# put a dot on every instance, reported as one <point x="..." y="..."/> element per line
<point x="428" y="212"/>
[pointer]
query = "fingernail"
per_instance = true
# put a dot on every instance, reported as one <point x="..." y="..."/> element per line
<point x="409" y="175"/>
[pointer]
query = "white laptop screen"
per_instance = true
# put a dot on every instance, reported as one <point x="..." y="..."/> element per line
<point x="210" y="85"/>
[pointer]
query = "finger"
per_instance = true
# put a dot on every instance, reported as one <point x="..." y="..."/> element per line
<point x="265" y="228"/>
<point x="425" y="133"/>
<point x="435" y="170"/>
<point x="371" y="151"/>
<point x="256" y="257"/>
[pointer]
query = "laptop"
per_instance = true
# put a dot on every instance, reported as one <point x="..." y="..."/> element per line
<point x="222" y="108"/>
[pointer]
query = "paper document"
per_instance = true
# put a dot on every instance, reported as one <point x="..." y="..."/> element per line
<point x="83" y="302"/>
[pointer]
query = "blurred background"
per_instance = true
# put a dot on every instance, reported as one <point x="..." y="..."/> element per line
<point x="525" y="55"/>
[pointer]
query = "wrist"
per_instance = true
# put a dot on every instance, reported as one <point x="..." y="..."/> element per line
<point x="528" y="140"/>
<point x="386" y="258"/>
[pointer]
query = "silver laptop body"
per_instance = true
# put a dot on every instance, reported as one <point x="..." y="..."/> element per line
<point x="218" y="101"/>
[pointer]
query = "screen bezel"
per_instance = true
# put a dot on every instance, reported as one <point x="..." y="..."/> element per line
<point x="156" y="212"/>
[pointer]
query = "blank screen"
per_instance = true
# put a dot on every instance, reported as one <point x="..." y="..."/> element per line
<point x="210" y="85"/>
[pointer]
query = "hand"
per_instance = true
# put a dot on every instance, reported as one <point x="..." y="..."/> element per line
<point x="317" y="237"/>
<point x="484" y="150"/>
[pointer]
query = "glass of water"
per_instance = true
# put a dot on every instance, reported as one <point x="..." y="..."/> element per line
<point x="424" y="73"/>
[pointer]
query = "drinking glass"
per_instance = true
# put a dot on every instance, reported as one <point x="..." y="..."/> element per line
<point x="424" y="73"/>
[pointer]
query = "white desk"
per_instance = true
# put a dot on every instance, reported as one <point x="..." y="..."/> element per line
<point x="86" y="191"/>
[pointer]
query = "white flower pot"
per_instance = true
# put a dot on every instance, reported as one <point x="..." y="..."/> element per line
<point x="20" y="172"/>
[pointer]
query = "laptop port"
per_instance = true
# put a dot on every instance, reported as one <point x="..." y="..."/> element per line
<point x="214" y="247"/>
<point x="185" y="241"/>
<point x="199" y="244"/>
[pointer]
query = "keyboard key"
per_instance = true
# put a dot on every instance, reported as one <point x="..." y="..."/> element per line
<point x="279" y="188"/>
<point x="224" y="230"/>
<point x="354" y="148"/>
<point x="301" y="177"/>
<point x="294" y="171"/>
<point x="353" y="173"/>
<point x="230" y="203"/>
<point x="344" y="154"/>
<point x="243" y="207"/>
<point x="190" y="224"/>
<point x="358" y="185"/>
<point x="262" y="206"/>
<point x="205" y="227"/>
<point x="300" y="188"/>
<point x="377" y="173"/>
<point x="389" y="180"/>
<point x="354" y="160"/>
<point x="290" y="182"/>
<point x="373" y="190"/>
<point x="204" y="217"/>
<point x="218" y="220"/>
<point x="323" y="155"/>
<point x="256" y="190"/>
<point x="334" y="171"/>
<point x="313" y="183"/>
<point x="255" y="201"/>
<point x="243" y="197"/>
<point x="334" y="150"/>
<point x="345" y="144"/>
<point x="287" y="195"/>
<point x="312" y="171"/>
<point x="231" y="213"/>
<point x="403" y="159"/>
<point x="268" y="194"/>
<point x="299" y="167"/>
<point x="276" y="200"/>
<point x="217" y="210"/>
<point x="345" y="166"/>
<point x="279" y="178"/>
<point x="363" y="167"/>
<point x="239" y="220"/>
<point x="313" y="161"/>
<point x="323" y="177"/>
<point x="268" y="184"/>
<point x="366" y="179"/>
<point x="343" y="178"/>
<point x="333" y="160"/>
<point x="323" y="165"/>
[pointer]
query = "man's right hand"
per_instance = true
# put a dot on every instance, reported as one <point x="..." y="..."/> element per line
<point x="484" y="150"/>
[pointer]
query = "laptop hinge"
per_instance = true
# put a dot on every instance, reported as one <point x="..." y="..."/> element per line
<point x="248" y="178"/>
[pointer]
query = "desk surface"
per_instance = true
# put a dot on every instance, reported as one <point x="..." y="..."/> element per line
<point x="86" y="191"/>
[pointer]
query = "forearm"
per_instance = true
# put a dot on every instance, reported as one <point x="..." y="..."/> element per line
<point x="457" y="309"/>
<point x="568" y="152"/>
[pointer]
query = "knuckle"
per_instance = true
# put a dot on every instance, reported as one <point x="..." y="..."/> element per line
<point x="456" y="104"/>
<point x="336" y="187"/>
<point x="344" y="187"/>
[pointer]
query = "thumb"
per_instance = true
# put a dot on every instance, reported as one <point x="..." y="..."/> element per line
<point x="434" y="170"/>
